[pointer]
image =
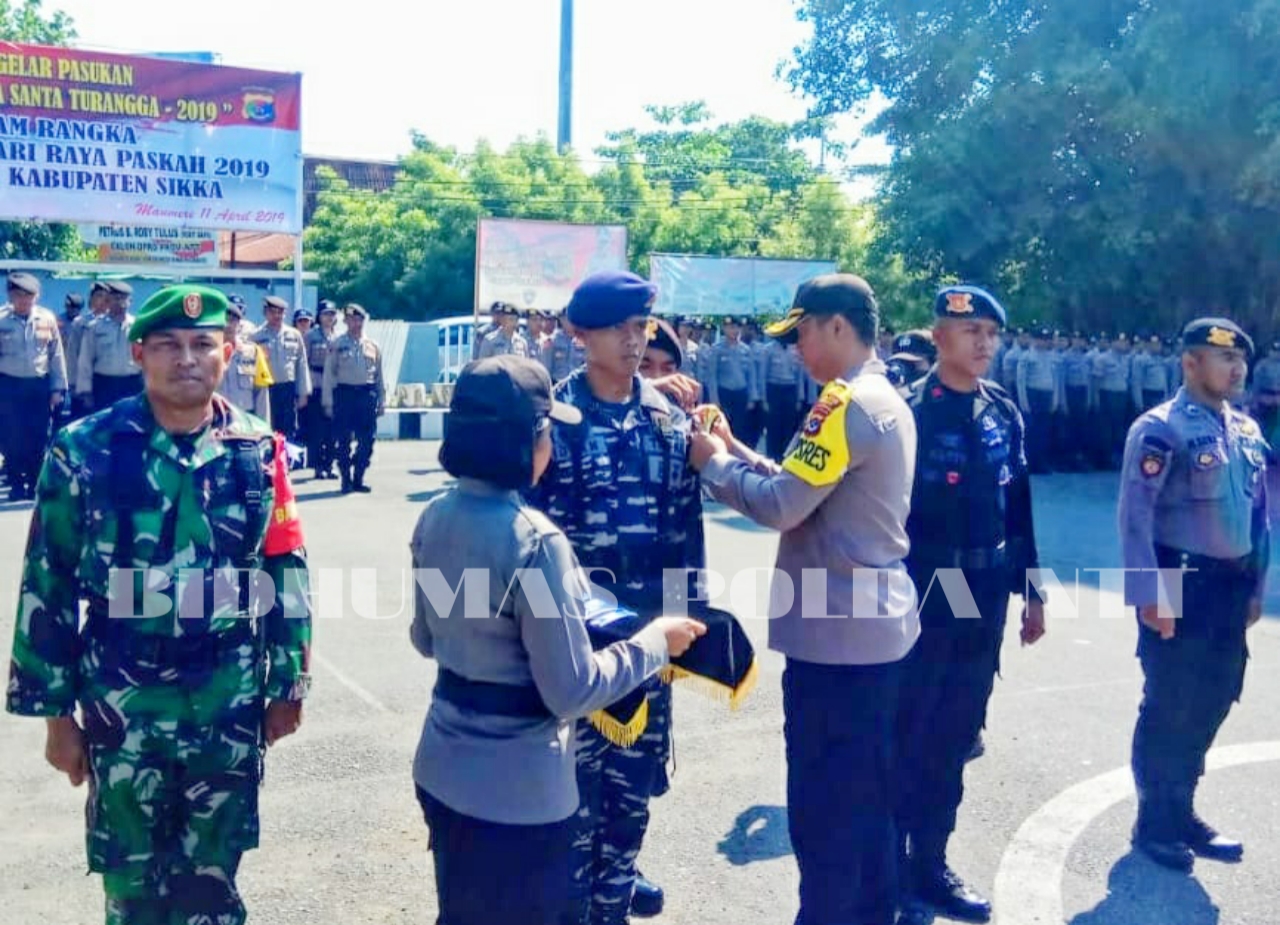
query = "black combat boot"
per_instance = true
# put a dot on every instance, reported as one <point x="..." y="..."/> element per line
<point x="358" y="484"/>
<point x="936" y="884"/>
<point x="1157" y="832"/>
<point x="1202" y="838"/>
<point x="647" y="899"/>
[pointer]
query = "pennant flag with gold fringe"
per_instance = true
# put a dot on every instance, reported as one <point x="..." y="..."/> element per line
<point x="721" y="665"/>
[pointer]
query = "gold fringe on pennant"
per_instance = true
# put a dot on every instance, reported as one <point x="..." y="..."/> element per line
<point x="709" y="687"/>
<point x="623" y="735"/>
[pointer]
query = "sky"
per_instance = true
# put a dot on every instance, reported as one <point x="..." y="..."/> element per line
<point x="374" y="70"/>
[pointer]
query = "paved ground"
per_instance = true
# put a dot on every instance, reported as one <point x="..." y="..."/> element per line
<point x="344" y="844"/>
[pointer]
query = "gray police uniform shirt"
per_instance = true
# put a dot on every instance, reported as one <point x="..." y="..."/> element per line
<point x="498" y="343"/>
<point x="237" y="383"/>
<point x="841" y="499"/>
<point x="1149" y="373"/>
<point x="353" y="362"/>
<point x="31" y="348"/>
<point x="562" y="355"/>
<point x="1111" y="371"/>
<point x="318" y="344"/>
<point x="732" y="367"/>
<point x="1077" y="375"/>
<point x="1008" y="370"/>
<point x="510" y="770"/>
<point x="780" y="366"/>
<point x="1193" y="480"/>
<point x="105" y="349"/>
<point x="286" y="356"/>
<point x="1035" y="372"/>
<point x="71" y="346"/>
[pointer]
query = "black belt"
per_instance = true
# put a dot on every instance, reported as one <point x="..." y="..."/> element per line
<point x="974" y="557"/>
<point x="521" y="701"/>
<point x="168" y="650"/>
<point x="1169" y="557"/>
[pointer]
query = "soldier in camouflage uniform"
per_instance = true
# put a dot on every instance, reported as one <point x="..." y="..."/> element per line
<point x="621" y="488"/>
<point x="176" y="703"/>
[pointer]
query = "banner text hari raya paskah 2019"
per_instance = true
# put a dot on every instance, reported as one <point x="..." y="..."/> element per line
<point x="94" y="137"/>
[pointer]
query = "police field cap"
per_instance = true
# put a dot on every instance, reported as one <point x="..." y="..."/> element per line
<point x="185" y="306"/>
<point x="75" y="300"/>
<point x="274" y="301"/>
<point x="98" y="286"/>
<point x="354" y="308"/>
<point x="301" y="313"/>
<point x="234" y="299"/>
<point x="327" y="306"/>
<point x="119" y="287"/>
<point x="610" y="297"/>
<point x="235" y="310"/>
<point x="1216" y="332"/>
<point x="23" y="282"/>
<point x="915" y="346"/>
<point x="663" y="336"/>
<point x="823" y="296"/>
<point x="503" y="308"/>
<point x="508" y="389"/>
<point x="969" y="303"/>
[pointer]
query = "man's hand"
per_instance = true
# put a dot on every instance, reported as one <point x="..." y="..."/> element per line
<point x="702" y="447"/>
<point x="1254" y="612"/>
<point x="1160" y="619"/>
<point x="64" y="748"/>
<point x="55" y="400"/>
<point x="1033" y="629"/>
<point x="283" y="719"/>
<point x="684" y="390"/>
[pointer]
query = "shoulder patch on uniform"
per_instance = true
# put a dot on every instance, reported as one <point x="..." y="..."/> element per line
<point x="821" y="455"/>
<point x="1152" y="464"/>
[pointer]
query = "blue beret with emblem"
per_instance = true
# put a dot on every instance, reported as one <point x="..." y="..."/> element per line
<point x="968" y="302"/>
<point x="1217" y="332"/>
<point x="605" y="299"/>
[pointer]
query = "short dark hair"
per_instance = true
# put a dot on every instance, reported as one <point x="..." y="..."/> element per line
<point x="497" y="452"/>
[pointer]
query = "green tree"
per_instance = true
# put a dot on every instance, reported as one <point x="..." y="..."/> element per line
<point x="26" y="22"/>
<point x="1103" y="161"/>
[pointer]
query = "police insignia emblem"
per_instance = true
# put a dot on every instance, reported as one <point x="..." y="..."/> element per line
<point x="1206" y="459"/>
<point x="1152" y="466"/>
<point x="1221" y="337"/>
<point x="959" y="303"/>
<point x="192" y="305"/>
<point x="651" y="329"/>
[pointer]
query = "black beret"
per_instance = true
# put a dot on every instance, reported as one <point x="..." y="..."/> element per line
<point x="664" y="337"/>
<point x="1216" y="332"/>
<point x="605" y="299"/>
<point x="274" y="301"/>
<point x="915" y="346"/>
<point x="119" y="287"/>
<point x="75" y="300"/>
<point x="23" y="282"/>
<point x="968" y="302"/>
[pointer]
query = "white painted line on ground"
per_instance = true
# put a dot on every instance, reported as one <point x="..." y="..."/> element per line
<point x="350" y="685"/>
<point x="1028" y="888"/>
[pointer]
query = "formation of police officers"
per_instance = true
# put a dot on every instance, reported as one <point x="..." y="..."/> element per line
<point x="880" y="488"/>
<point x="315" y="386"/>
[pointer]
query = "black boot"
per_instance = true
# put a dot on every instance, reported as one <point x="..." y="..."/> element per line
<point x="358" y="484"/>
<point x="345" y="474"/>
<point x="936" y="884"/>
<point x="1157" y="832"/>
<point x="647" y="898"/>
<point x="1202" y="838"/>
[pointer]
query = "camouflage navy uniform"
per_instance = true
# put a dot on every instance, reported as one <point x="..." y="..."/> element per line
<point x="621" y="488"/>
<point x="173" y="711"/>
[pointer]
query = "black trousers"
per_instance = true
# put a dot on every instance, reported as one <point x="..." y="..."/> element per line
<point x="1039" y="429"/>
<point x="946" y="686"/>
<point x="355" y="418"/>
<point x="317" y="430"/>
<point x="1076" y="432"/>
<point x="283" y="398"/>
<point x="734" y="402"/>
<point x="1191" y="680"/>
<point x="24" y="421"/>
<point x="107" y="390"/>
<point x="1113" y="413"/>
<point x="839" y="731"/>
<point x="783" y="418"/>
<point x="489" y="873"/>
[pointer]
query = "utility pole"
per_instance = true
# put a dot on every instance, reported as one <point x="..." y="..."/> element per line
<point x="564" y="131"/>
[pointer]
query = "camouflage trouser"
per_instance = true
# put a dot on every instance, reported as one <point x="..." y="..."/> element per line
<point x="173" y="795"/>
<point x="614" y="786"/>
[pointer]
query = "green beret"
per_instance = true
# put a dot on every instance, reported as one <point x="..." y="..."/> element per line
<point x="182" y="306"/>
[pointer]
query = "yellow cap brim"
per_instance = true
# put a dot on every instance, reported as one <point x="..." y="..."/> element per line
<point x="786" y="325"/>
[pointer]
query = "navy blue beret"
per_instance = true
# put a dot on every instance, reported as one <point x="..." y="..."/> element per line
<point x="1217" y="332"/>
<point x="968" y="302"/>
<point x="605" y="299"/>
